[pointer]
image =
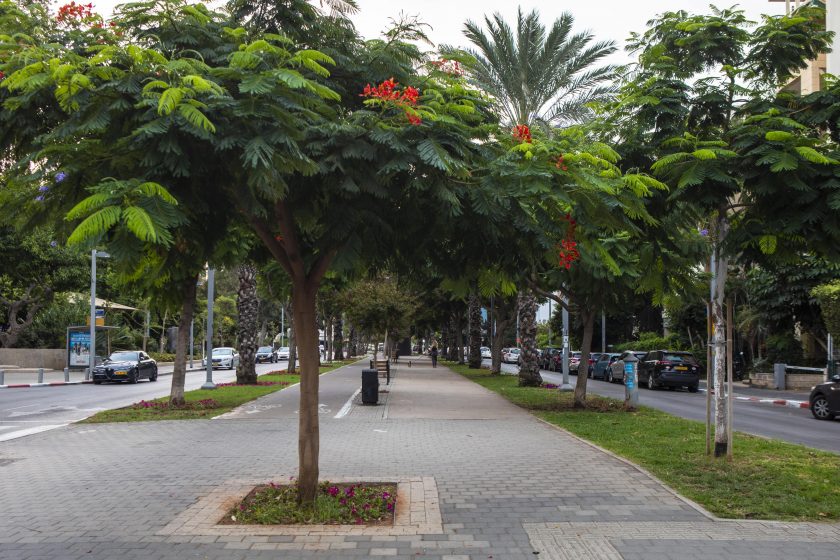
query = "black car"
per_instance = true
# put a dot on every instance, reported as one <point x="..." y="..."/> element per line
<point x="825" y="399"/>
<point x="265" y="354"/>
<point x="663" y="368"/>
<point x="127" y="366"/>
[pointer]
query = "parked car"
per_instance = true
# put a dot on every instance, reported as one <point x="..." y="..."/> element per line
<point x="283" y="353"/>
<point x="547" y="357"/>
<point x="616" y="372"/>
<point x="223" y="358"/>
<point x="265" y="354"/>
<point x="663" y="368"/>
<point x="593" y="357"/>
<point x="574" y="362"/>
<point x="825" y="399"/>
<point x="601" y="368"/>
<point x="485" y="353"/>
<point x="511" y="356"/>
<point x="129" y="366"/>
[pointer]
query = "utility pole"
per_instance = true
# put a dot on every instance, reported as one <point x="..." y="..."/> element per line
<point x="549" y="322"/>
<point x="211" y="277"/>
<point x="603" y="331"/>
<point x="283" y="325"/>
<point x="92" y="360"/>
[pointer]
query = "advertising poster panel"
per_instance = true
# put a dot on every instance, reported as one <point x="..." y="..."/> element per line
<point x="78" y="349"/>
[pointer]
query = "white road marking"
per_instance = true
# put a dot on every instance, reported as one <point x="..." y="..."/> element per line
<point x="381" y="431"/>
<point x="345" y="410"/>
<point x="29" y="432"/>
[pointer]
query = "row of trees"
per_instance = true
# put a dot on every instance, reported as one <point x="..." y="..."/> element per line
<point x="176" y="135"/>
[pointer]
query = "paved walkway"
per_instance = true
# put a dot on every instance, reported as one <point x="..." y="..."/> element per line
<point x="479" y="478"/>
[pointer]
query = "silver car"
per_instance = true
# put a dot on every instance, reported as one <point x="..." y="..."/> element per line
<point x="616" y="369"/>
<point x="283" y="353"/>
<point x="225" y="357"/>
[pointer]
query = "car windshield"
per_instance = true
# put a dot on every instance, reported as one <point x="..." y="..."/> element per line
<point x="284" y="349"/>
<point x="123" y="357"/>
<point x="514" y="350"/>
<point x="264" y="349"/>
<point x="674" y="357"/>
<point x="222" y="351"/>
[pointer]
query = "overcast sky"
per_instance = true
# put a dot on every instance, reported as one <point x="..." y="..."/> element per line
<point x="607" y="19"/>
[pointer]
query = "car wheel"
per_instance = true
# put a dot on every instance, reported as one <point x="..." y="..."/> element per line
<point x="589" y="373"/>
<point x="154" y="375"/>
<point x="819" y="408"/>
<point x="132" y="377"/>
<point x="97" y="382"/>
<point x="610" y="377"/>
<point x="693" y="388"/>
<point x="651" y="384"/>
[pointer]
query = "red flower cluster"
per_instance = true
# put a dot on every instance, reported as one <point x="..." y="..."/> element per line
<point x="558" y="163"/>
<point x="567" y="250"/>
<point x="73" y="11"/>
<point x="522" y="133"/>
<point x="387" y="91"/>
<point x="2" y="75"/>
<point x="449" y="66"/>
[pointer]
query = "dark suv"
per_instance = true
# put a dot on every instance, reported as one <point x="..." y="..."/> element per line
<point x="663" y="368"/>
<point x="825" y="399"/>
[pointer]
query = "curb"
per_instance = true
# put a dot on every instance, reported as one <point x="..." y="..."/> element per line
<point x="778" y="402"/>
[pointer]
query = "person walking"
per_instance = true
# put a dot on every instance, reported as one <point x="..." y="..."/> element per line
<point x="434" y="354"/>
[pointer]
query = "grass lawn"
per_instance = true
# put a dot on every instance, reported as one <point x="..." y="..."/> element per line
<point x="203" y="403"/>
<point x="768" y="479"/>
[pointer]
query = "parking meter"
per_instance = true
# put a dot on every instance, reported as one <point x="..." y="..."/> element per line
<point x="631" y="385"/>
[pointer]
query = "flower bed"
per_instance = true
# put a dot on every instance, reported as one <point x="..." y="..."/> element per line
<point x="257" y="384"/>
<point x="343" y="504"/>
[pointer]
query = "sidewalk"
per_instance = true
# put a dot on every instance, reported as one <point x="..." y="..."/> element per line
<point x="482" y="478"/>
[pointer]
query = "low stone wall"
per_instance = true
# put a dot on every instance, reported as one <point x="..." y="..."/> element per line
<point x="802" y="381"/>
<point x="793" y="381"/>
<point x="46" y="358"/>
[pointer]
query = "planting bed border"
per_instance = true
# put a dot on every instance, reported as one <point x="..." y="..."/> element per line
<point x="417" y="512"/>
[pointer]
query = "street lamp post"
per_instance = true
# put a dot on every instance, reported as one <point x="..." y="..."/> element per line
<point x="92" y="353"/>
<point x="208" y="384"/>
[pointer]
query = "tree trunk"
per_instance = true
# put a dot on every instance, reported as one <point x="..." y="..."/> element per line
<point x="720" y="264"/>
<point x="306" y="334"/>
<point x="585" y="348"/>
<point x="503" y="318"/>
<point x="354" y="341"/>
<point x="452" y="343"/>
<point x="179" y="373"/>
<point x="248" y="307"/>
<point x="9" y="337"/>
<point x="338" y="339"/>
<point x="529" y="370"/>
<point x="444" y="340"/>
<point x="459" y="339"/>
<point x="475" y="331"/>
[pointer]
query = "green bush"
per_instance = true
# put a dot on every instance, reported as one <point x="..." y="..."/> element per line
<point x="162" y="356"/>
<point x="829" y="297"/>
<point x="783" y="349"/>
<point x="651" y="341"/>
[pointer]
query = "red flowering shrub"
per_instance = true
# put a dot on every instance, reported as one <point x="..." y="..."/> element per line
<point x="522" y="133"/>
<point x="73" y="12"/>
<point x="558" y="163"/>
<point x="388" y="92"/>
<point x="567" y="250"/>
<point x="447" y="66"/>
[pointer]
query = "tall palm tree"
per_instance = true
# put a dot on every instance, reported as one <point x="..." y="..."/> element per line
<point x="539" y="77"/>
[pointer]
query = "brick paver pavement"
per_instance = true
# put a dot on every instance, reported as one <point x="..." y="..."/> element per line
<point x="483" y="479"/>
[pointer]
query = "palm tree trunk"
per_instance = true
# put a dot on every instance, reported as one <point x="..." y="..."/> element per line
<point x="179" y="373"/>
<point x="475" y="331"/>
<point x="248" y="306"/>
<point x="452" y="343"/>
<point x="529" y="370"/>
<point x="459" y="338"/>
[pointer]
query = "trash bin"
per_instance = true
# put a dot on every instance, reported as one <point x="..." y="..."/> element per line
<point x="370" y="386"/>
